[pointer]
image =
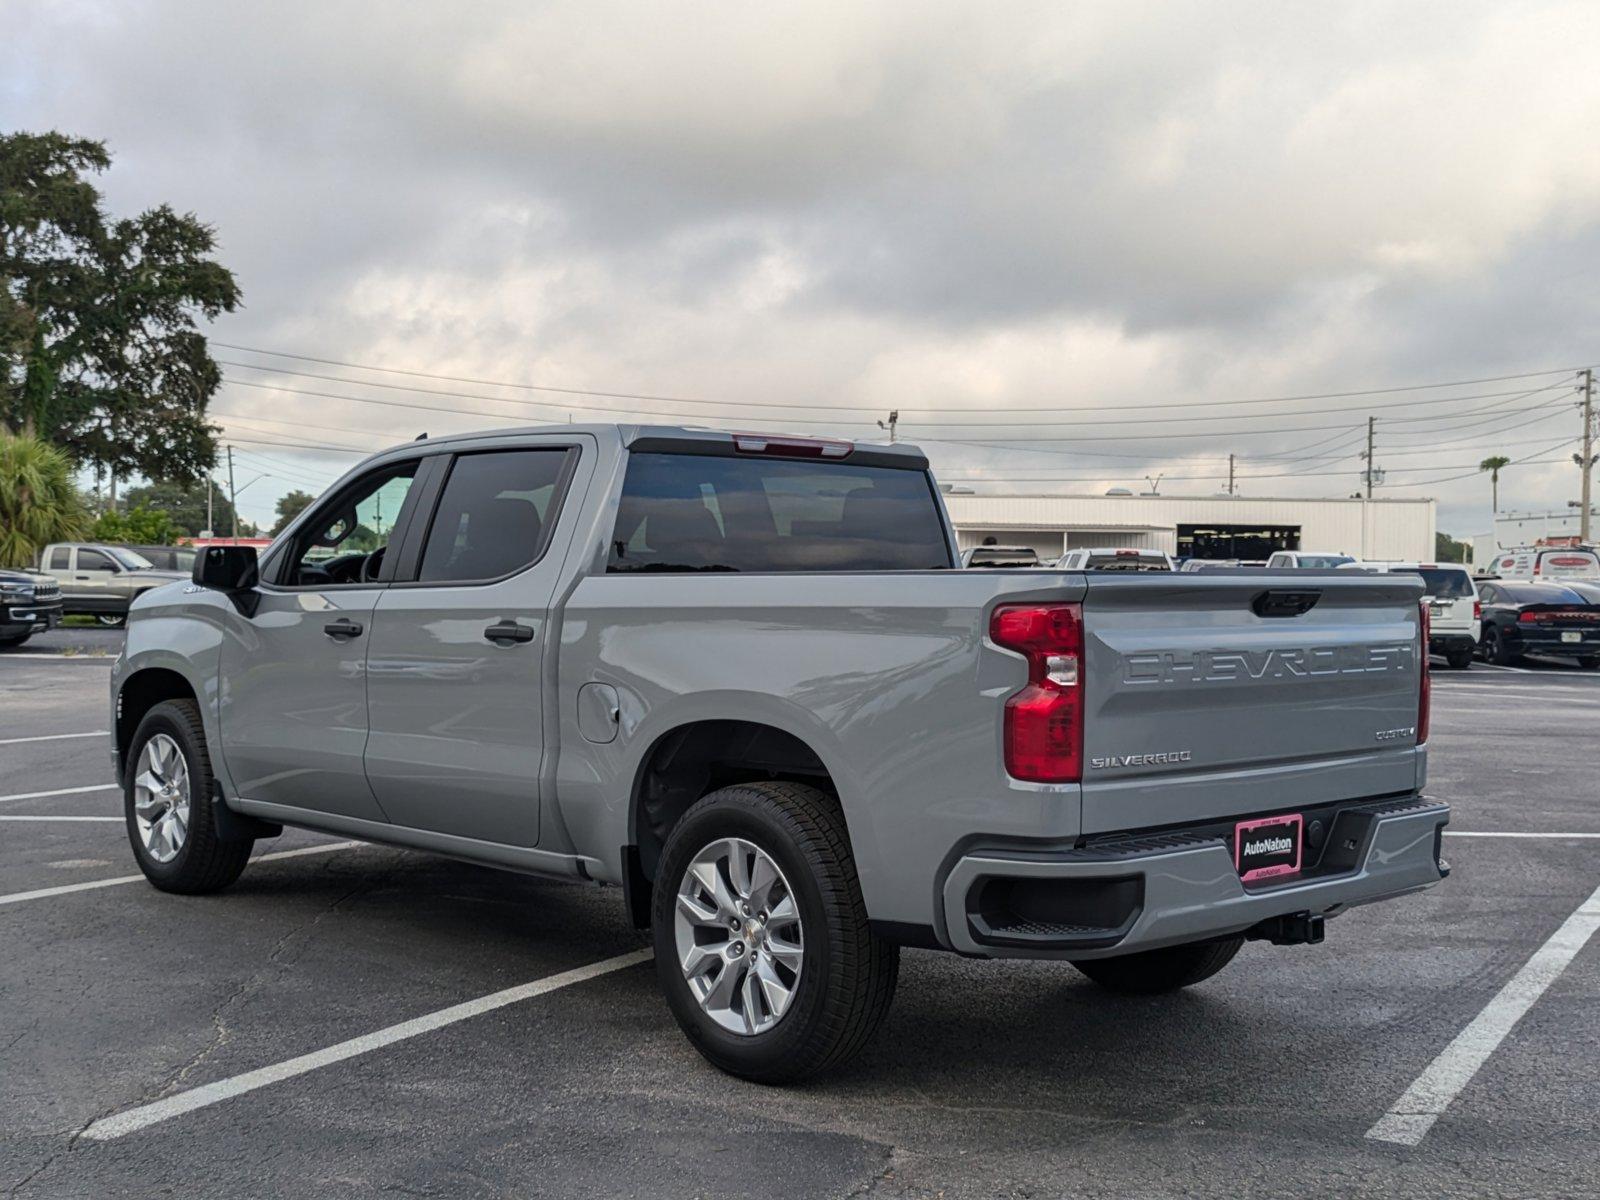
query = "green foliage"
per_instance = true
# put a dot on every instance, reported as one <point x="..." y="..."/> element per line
<point x="1447" y="549"/>
<point x="1493" y="465"/>
<point x="99" y="350"/>
<point x="136" y="527"/>
<point x="289" y="507"/>
<point x="186" y="507"/>
<point x="38" y="503"/>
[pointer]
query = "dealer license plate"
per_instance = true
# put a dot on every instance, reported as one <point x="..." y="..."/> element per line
<point x="1572" y="635"/>
<point x="1267" y="847"/>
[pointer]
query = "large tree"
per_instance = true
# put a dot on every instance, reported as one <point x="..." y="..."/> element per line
<point x="290" y="506"/>
<point x="102" y="351"/>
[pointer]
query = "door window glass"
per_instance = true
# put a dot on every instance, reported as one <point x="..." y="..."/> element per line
<point x="60" y="558"/>
<point x="93" y="560"/>
<point x="494" y="516"/>
<point x="345" y="541"/>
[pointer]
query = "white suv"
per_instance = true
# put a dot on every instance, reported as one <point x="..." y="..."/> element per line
<point x="1296" y="560"/>
<point x="1110" y="558"/>
<point x="1455" y="615"/>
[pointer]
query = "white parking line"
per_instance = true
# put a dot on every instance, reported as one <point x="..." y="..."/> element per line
<point x="96" y="787"/>
<point x="107" y="659"/>
<point x="1411" y="1116"/>
<point x="54" y="737"/>
<point x="91" y="885"/>
<point x="1508" y="834"/>
<point x="118" y="820"/>
<point x="143" y="1117"/>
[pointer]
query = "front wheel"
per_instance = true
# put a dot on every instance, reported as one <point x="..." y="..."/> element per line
<point x="12" y="640"/>
<point x="1166" y="970"/>
<point x="167" y="805"/>
<point x="761" y="938"/>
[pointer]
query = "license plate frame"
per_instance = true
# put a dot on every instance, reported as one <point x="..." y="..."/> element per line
<point x="1572" y="637"/>
<point x="1264" y="862"/>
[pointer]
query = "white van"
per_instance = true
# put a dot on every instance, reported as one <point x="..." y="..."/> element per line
<point x="1297" y="560"/>
<point x="1455" y="615"/>
<point x="1546" y="562"/>
<point x="1110" y="558"/>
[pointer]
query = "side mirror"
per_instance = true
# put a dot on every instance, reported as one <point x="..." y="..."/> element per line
<point x="227" y="568"/>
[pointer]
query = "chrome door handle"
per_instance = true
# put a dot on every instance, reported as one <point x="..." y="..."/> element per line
<point x="343" y="629"/>
<point x="507" y="633"/>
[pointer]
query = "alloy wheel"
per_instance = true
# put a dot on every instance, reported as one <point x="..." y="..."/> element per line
<point x="738" y="936"/>
<point x="161" y="798"/>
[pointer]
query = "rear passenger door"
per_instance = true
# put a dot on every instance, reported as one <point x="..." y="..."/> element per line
<point x="455" y="686"/>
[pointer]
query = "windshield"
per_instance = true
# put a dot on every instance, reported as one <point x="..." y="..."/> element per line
<point x="129" y="560"/>
<point x="1440" y="583"/>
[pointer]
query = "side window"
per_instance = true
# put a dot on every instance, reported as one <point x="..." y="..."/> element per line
<point x="692" y="512"/>
<point x="93" y="560"/>
<point x="61" y="558"/>
<point x="1488" y="593"/>
<point x="494" y="516"/>
<point x="345" y="539"/>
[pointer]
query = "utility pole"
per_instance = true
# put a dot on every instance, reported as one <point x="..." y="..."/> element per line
<point x="233" y="497"/>
<point x="211" y="527"/>
<point x="1230" y="474"/>
<point x="1372" y="423"/>
<point x="894" y="419"/>
<point x="1586" y="456"/>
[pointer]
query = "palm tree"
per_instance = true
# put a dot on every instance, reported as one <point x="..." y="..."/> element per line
<point x="38" y="502"/>
<point x="1493" y="465"/>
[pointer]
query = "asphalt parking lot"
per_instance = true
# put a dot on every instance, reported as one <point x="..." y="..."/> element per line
<point x="1008" y="1079"/>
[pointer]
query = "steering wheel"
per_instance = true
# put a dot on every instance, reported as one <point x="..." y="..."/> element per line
<point x="371" y="565"/>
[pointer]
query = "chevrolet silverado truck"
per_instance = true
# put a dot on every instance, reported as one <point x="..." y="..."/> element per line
<point x="741" y="677"/>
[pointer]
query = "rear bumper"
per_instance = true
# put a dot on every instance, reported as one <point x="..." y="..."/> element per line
<point x="1451" y="640"/>
<point x="1144" y="892"/>
<point x="1548" y="641"/>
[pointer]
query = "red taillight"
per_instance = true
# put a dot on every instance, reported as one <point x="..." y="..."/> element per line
<point x="1477" y="610"/>
<point x="1425" y="691"/>
<point x="792" y="447"/>
<point x="1044" y="721"/>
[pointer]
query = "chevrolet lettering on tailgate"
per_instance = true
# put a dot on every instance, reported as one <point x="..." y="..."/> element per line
<point x="1223" y="666"/>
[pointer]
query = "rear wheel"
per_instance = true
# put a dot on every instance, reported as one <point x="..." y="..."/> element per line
<point x="1460" y="659"/>
<point x="167" y="804"/>
<point x="1591" y="663"/>
<point x="1496" y="650"/>
<point x="110" y="620"/>
<point x="1153" y="971"/>
<point x="761" y="938"/>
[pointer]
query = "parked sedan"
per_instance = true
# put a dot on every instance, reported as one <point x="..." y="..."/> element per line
<point x="1540" y="618"/>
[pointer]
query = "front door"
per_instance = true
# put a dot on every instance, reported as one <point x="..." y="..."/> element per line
<point x="293" y="683"/>
<point x="95" y="587"/>
<point x="454" y="678"/>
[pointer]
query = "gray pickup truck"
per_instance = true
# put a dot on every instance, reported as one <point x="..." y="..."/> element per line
<point x="741" y="677"/>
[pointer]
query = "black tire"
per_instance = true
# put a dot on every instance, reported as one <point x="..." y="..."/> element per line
<point x="203" y="863"/>
<point x="1496" y="650"/>
<point x="12" y="641"/>
<point x="1154" y="971"/>
<point x="1459" y="660"/>
<point x="847" y="977"/>
<point x="1590" y="664"/>
<point x="111" y="620"/>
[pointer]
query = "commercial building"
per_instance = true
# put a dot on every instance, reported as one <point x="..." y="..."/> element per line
<point x="1201" y="526"/>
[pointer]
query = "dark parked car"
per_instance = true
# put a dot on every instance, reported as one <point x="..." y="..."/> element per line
<point x="30" y="603"/>
<point x="1540" y="618"/>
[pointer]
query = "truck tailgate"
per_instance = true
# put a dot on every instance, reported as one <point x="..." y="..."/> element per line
<point x="1213" y="695"/>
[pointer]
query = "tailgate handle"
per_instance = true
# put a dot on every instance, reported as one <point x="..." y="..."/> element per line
<point x="1284" y="604"/>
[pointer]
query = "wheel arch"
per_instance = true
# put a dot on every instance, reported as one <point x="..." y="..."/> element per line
<point x="137" y="695"/>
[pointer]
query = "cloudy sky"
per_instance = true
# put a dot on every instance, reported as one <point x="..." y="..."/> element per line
<point x="1086" y="231"/>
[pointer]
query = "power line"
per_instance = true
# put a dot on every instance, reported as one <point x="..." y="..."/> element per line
<point x="1530" y="460"/>
<point x="656" y="398"/>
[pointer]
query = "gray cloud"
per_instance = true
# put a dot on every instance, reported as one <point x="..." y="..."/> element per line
<point x="873" y="205"/>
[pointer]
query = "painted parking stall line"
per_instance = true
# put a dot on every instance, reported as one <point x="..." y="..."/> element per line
<point x="1511" y="833"/>
<point x="1411" y="1117"/>
<point x="93" y="884"/>
<point x="72" y="791"/>
<point x="113" y="820"/>
<point x="134" y="1119"/>
<point x="54" y="737"/>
